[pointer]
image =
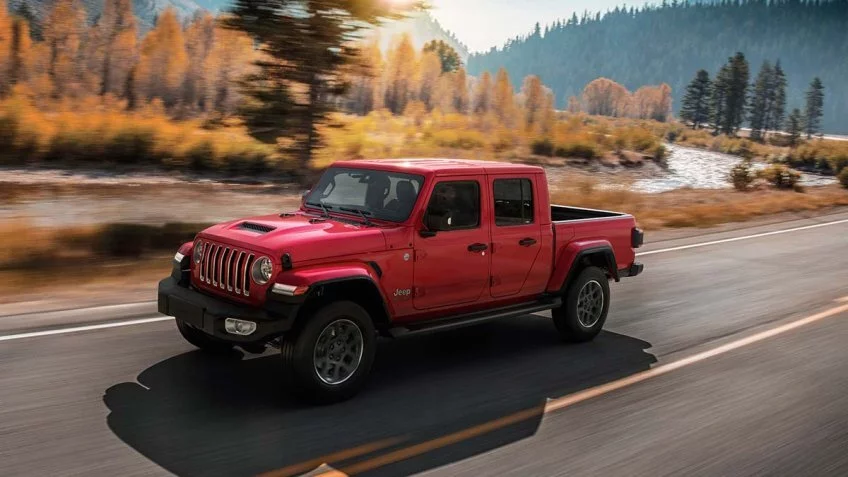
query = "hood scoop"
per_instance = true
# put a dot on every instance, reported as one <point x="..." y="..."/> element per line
<point x="259" y="228"/>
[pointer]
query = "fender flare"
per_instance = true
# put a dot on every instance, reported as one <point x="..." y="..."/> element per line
<point x="568" y="264"/>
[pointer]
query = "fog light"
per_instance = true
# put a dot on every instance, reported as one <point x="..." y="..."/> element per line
<point x="239" y="327"/>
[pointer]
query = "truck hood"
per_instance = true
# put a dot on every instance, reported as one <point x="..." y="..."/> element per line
<point x="305" y="238"/>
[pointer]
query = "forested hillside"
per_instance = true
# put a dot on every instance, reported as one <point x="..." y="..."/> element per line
<point x="668" y="44"/>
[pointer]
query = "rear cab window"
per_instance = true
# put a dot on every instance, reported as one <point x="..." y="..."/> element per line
<point x="513" y="200"/>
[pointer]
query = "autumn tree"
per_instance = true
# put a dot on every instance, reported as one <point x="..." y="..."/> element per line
<point x="114" y="46"/>
<point x="5" y="48"/>
<point x="696" y="101"/>
<point x="400" y="74"/>
<point x="574" y="105"/>
<point x="229" y="60"/>
<point x="605" y="97"/>
<point x="813" y="108"/>
<point x="305" y="44"/>
<point x="199" y="42"/>
<point x="461" y="99"/>
<point x="366" y="73"/>
<point x="504" y="98"/>
<point x="535" y="99"/>
<point x="428" y="81"/>
<point x="448" y="57"/>
<point x="163" y="62"/>
<point x="63" y="36"/>
<point x="483" y="94"/>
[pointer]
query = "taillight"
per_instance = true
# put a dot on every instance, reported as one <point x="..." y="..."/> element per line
<point x="637" y="237"/>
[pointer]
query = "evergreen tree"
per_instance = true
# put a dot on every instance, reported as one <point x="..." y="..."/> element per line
<point x="718" y="99"/>
<point x="736" y="100"/>
<point x="814" y="108"/>
<point x="447" y="55"/>
<point x="696" y="101"/>
<point x="306" y="44"/>
<point x="778" y="105"/>
<point x="760" y="101"/>
<point x="794" y="126"/>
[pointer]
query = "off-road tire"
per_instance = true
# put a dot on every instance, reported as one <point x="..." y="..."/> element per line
<point x="298" y="350"/>
<point x="578" y="326"/>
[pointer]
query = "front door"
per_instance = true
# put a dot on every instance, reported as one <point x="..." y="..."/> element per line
<point x="452" y="264"/>
<point x="516" y="234"/>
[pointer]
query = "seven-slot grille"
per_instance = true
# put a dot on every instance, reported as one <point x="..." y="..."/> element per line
<point x="226" y="268"/>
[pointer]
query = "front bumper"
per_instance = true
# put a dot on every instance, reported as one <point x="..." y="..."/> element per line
<point x="208" y="313"/>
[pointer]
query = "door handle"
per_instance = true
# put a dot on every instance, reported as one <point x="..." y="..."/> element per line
<point x="478" y="247"/>
<point x="528" y="242"/>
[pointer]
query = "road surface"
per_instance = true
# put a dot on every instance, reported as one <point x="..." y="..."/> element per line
<point x="726" y="357"/>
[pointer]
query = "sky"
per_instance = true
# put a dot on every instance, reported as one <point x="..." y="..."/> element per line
<point x="482" y="24"/>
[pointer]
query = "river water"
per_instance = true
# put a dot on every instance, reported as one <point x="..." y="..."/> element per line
<point x="700" y="169"/>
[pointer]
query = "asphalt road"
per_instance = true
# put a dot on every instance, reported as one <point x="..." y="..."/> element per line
<point x="137" y="400"/>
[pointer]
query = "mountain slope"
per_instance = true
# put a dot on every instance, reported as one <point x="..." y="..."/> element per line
<point x="670" y="44"/>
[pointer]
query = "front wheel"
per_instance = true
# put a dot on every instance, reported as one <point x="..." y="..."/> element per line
<point x="584" y="309"/>
<point x="329" y="356"/>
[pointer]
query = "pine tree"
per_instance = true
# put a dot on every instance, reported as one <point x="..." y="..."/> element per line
<point x="794" y="126"/>
<point x="306" y="44"/>
<point x="737" y="94"/>
<point x="696" y="102"/>
<point x="778" y="105"/>
<point x="483" y="94"/>
<point x="163" y="62"/>
<point x="448" y="57"/>
<point x="814" y="108"/>
<point x="760" y="101"/>
<point x="718" y="99"/>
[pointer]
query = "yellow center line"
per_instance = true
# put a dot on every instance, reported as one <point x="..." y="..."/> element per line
<point x="309" y="465"/>
<point x="572" y="399"/>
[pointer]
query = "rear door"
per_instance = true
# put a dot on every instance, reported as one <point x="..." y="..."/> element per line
<point x="516" y="236"/>
<point x="452" y="265"/>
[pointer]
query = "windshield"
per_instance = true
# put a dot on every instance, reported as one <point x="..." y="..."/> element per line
<point x="374" y="194"/>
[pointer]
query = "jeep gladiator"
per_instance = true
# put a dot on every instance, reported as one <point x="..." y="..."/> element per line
<point x="394" y="248"/>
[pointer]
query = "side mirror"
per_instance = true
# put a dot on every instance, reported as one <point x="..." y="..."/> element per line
<point x="304" y="196"/>
<point x="425" y="231"/>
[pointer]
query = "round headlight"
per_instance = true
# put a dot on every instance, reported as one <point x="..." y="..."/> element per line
<point x="198" y="252"/>
<point x="262" y="270"/>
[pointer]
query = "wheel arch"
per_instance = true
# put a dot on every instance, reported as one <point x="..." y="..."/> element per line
<point x="599" y="254"/>
<point x="361" y="290"/>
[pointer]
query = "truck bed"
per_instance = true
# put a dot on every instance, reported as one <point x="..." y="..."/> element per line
<point x="561" y="213"/>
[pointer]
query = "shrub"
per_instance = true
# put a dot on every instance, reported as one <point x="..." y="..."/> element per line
<point x="843" y="177"/>
<point x="581" y="150"/>
<point x="459" y="139"/>
<point x="131" y="146"/>
<point x="543" y="147"/>
<point x="201" y="156"/>
<point x="742" y="175"/>
<point x="780" y="176"/>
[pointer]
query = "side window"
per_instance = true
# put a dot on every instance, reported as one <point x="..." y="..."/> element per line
<point x="454" y="206"/>
<point x="513" y="202"/>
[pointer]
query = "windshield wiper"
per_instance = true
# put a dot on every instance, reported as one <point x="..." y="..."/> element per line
<point x="325" y="208"/>
<point x="362" y="213"/>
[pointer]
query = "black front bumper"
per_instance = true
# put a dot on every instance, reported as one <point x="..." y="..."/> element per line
<point x="208" y="313"/>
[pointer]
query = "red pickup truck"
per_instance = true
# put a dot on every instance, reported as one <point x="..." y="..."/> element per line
<point x="394" y="248"/>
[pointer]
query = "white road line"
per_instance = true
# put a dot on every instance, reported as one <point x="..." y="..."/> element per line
<point x="736" y="239"/>
<point x="77" y="329"/>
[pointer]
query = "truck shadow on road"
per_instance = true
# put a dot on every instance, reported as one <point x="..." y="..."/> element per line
<point x="198" y="415"/>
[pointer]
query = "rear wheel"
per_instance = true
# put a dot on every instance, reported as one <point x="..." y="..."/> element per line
<point x="585" y="305"/>
<point x="202" y="340"/>
<point x="329" y="356"/>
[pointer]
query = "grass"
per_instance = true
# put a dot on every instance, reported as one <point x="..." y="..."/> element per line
<point x="99" y="134"/>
